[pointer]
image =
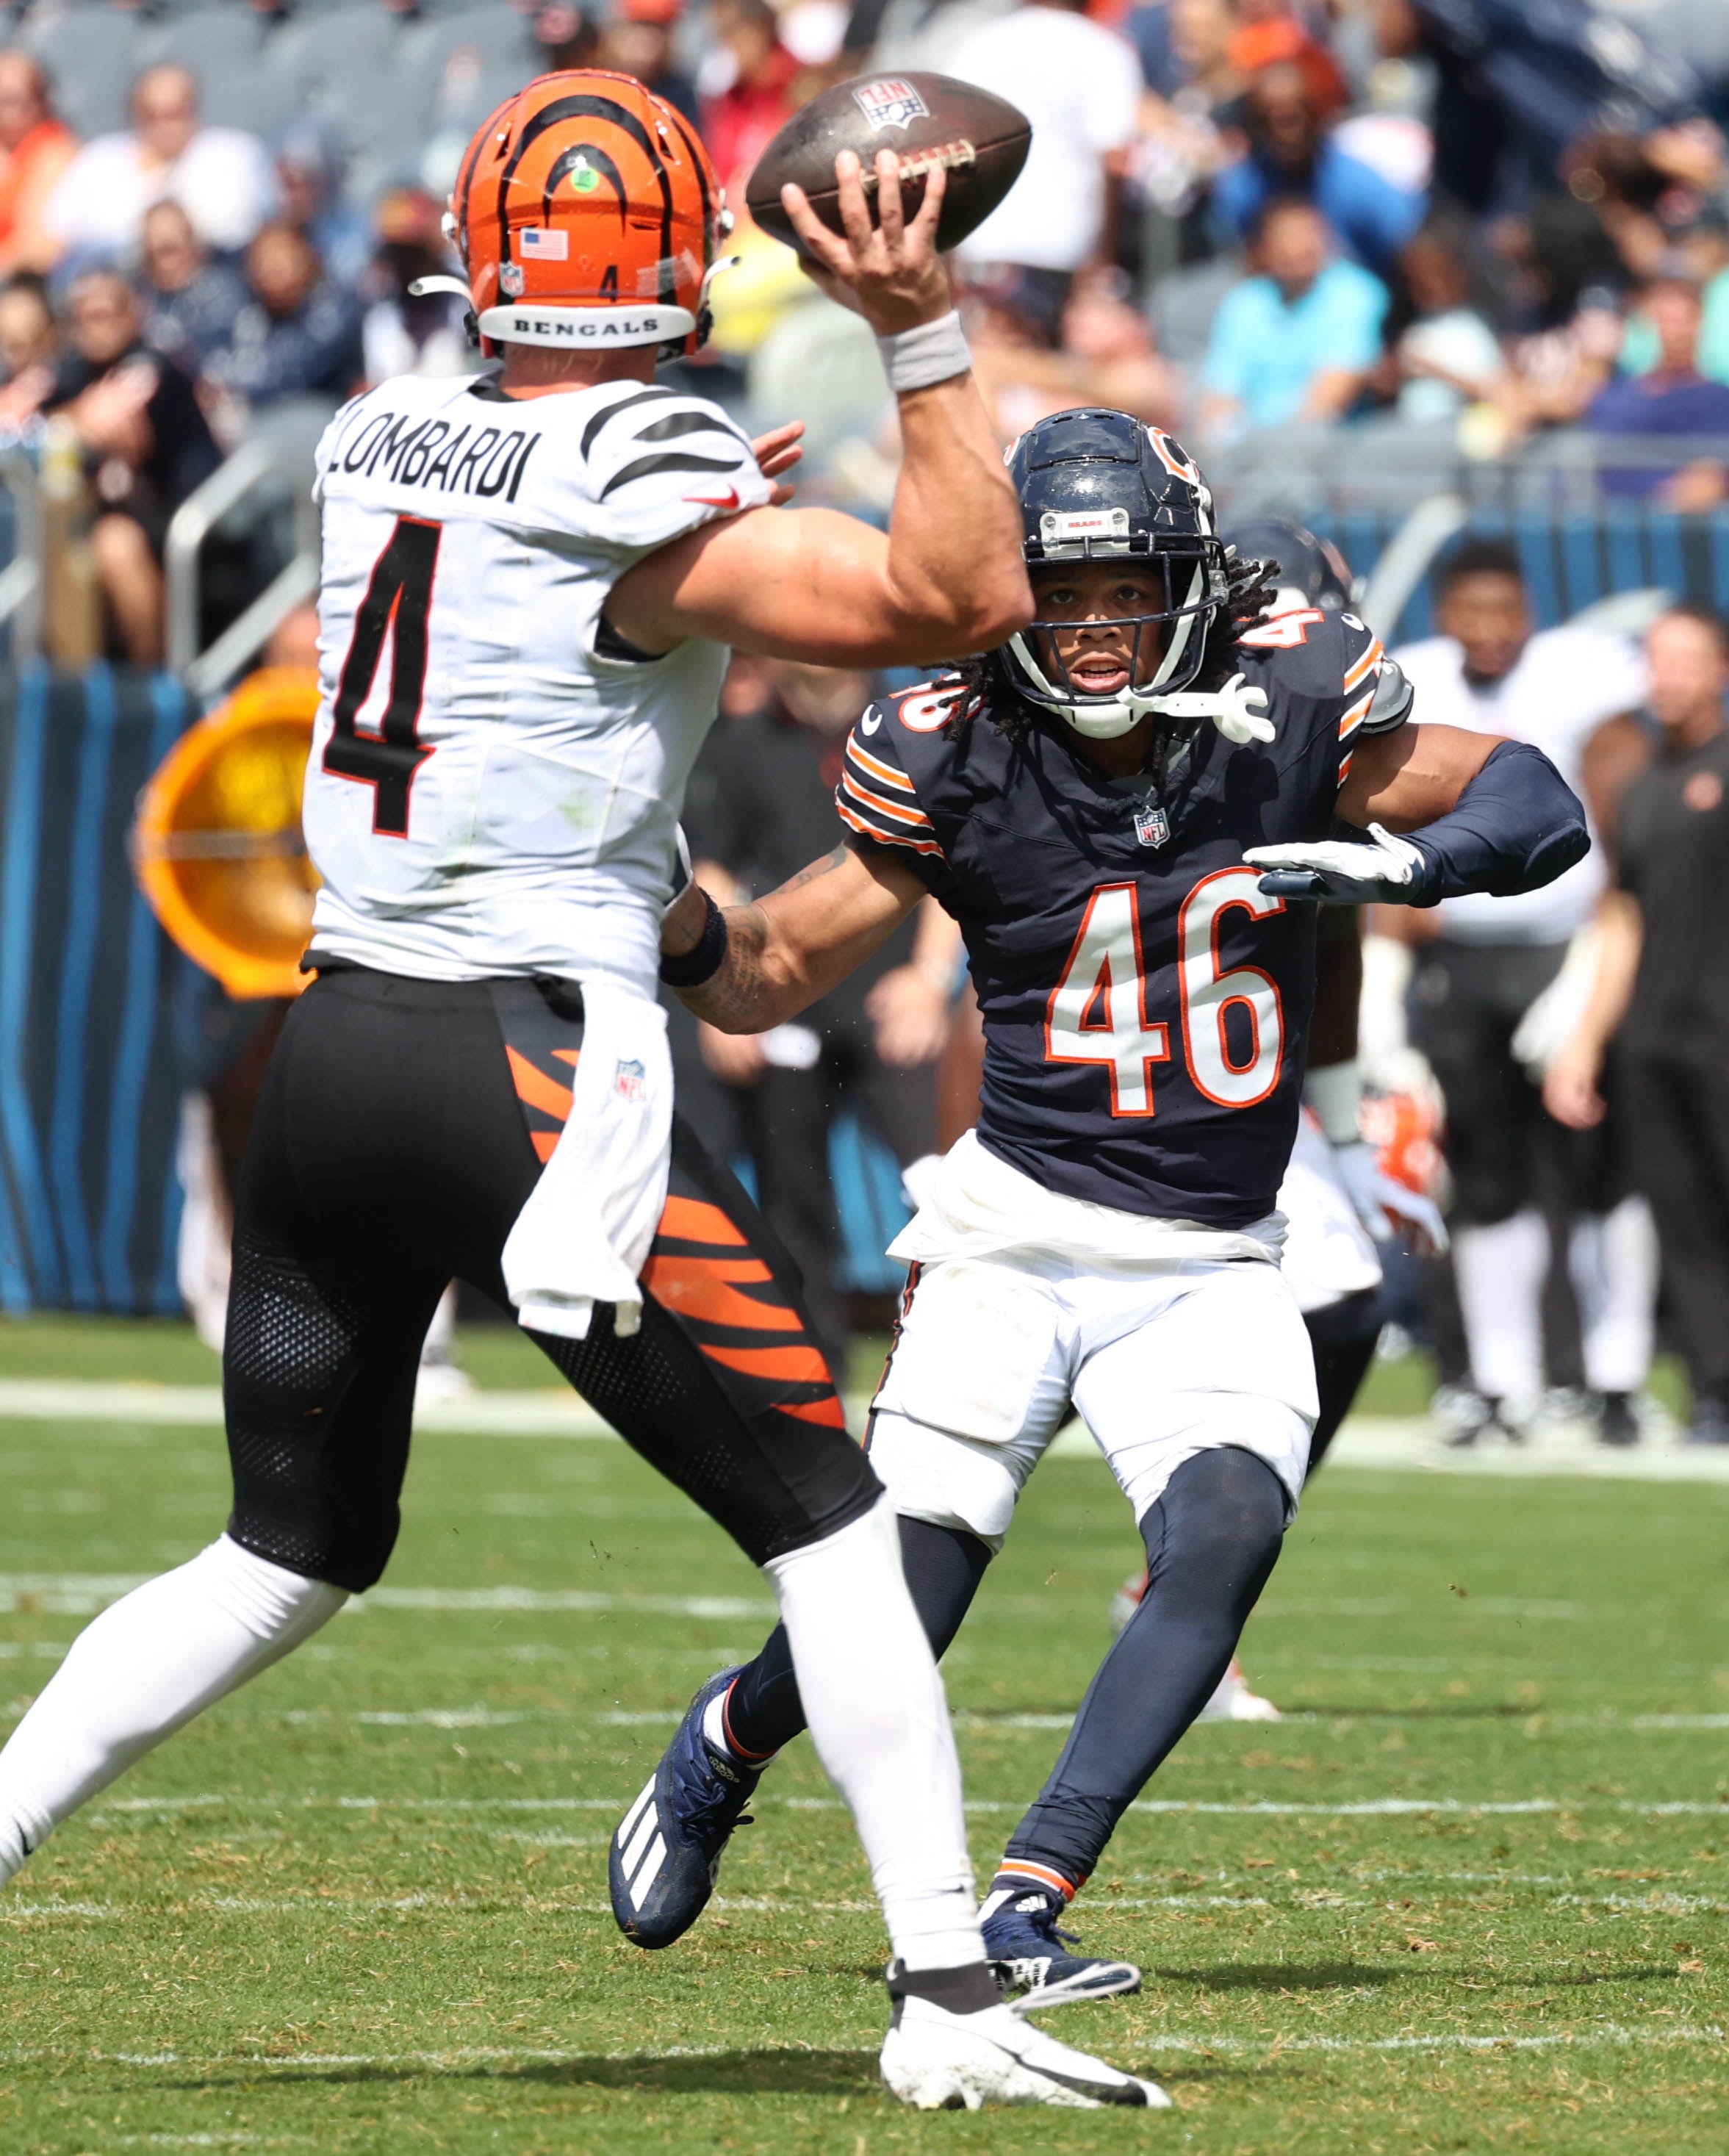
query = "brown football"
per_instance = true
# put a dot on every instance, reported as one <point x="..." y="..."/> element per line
<point x="927" y="120"/>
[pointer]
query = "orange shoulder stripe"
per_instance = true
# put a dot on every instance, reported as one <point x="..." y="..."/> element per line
<point x="877" y="769"/>
<point x="886" y="837"/>
<point x="1370" y="659"/>
<point x="895" y="810"/>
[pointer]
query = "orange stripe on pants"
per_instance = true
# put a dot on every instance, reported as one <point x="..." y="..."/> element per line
<point x="697" y="1287"/>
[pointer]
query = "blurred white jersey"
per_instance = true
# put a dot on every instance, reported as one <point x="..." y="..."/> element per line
<point x="1567" y="682"/>
<point x="495" y="781"/>
<point x="1328" y="1253"/>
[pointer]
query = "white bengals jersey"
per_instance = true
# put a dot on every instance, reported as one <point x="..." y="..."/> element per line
<point x="495" y="782"/>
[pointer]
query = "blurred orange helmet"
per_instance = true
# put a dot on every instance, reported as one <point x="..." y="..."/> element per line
<point x="587" y="214"/>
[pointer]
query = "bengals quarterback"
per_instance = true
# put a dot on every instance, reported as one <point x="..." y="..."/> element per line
<point x="530" y="582"/>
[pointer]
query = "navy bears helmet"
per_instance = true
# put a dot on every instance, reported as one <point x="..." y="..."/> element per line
<point x="1096" y="483"/>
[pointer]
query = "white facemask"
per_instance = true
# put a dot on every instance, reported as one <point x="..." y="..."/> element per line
<point x="1103" y="718"/>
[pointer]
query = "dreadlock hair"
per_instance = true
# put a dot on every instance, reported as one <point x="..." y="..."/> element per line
<point x="985" y="682"/>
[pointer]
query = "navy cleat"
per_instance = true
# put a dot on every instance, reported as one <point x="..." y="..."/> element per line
<point x="666" y="1852"/>
<point x="1030" y="1957"/>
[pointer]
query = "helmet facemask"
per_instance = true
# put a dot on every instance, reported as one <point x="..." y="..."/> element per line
<point x="1166" y="645"/>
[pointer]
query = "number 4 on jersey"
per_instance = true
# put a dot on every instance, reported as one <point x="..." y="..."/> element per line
<point x="397" y="605"/>
<point x="1097" y="1012"/>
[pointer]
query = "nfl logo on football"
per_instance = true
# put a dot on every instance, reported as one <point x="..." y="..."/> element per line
<point x="890" y="102"/>
<point x="1153" y="827"/>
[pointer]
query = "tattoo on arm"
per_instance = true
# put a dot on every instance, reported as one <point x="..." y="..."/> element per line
<point x="726" y="998"/>
<point x="827" y="866"/>
<point x="769" y="972"/>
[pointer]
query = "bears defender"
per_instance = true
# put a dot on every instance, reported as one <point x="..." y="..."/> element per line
<point x="1127" y="809"/>
<point x="1337" y="1204"/>
<point x="530" y="582"/>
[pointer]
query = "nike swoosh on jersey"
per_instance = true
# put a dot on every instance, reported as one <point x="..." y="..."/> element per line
<point x="727" y="501"/>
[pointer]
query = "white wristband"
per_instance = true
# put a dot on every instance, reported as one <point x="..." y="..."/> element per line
<point x="1335" y="1093"/>
<point x="935" y="352"/>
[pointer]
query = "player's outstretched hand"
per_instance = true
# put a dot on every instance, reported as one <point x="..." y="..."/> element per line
<point x="1570" y="1087"/>
<point x="888" y="271"/>
<point x="1384" y="871"/>
<point x="777" y="452"/>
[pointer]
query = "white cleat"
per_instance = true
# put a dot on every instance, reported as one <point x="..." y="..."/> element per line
<point x="1233" y="1701"/>
<point x="939" y="2061"/>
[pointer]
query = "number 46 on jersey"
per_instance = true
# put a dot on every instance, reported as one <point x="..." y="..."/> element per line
<point x="1233" y="1024"/>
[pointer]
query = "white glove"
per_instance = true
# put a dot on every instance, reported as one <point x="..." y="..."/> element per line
<point x="1237" y="711"/>
<point x="1341" y="870"/>
<point x="1385" y="1206"/>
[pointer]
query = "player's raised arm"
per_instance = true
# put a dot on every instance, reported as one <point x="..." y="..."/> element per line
<point x="750" y="968"/>
<point x="1482" y="814"/>
<point x="812" y="584"/>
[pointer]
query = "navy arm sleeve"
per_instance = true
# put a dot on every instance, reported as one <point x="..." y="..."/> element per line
<point x="1517" y="826"/>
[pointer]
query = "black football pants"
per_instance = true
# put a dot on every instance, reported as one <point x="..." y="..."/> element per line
<point x="401" y="1127"/>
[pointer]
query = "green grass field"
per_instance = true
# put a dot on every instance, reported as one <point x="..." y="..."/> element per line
<point x="1470" y="1896"/>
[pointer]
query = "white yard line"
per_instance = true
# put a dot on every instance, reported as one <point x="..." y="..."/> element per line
<point x="1611" y="2034"/>
<point x="1375" y="1441"/>
<point x="554" y="1412"/>
<point x="1366" y="1808"/>
<point x="82" y="1595"/>
<point x="1299" y="1900"/>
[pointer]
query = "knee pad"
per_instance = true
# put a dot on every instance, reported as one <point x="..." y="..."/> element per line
<point x="1222" y="1515"/>
<point x="315" y="1491"/>
<point x="949" y="1482"/>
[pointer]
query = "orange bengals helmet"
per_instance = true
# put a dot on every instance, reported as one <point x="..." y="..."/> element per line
<point x="587" y="214"/>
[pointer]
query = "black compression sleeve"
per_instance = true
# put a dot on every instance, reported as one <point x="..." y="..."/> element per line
<point x="1517" y="826"/>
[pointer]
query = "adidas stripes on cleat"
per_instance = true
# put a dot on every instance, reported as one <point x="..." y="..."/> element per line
<point x="937" y="2059"/>
<point x="666" y="1850"/>
<point x="1031" y="1959"/>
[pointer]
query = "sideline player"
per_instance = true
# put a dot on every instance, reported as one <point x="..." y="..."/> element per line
<point x="1124" y="876"/>
<point x="528" y="582"/>
<point x="1477" y="984"/>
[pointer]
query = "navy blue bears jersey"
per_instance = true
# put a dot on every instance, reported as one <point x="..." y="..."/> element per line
<point x="1146" y="1009"/>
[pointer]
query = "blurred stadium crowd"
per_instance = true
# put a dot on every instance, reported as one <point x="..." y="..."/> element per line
<point x="1410" y="228"/>
<point x="1330" y="243"/>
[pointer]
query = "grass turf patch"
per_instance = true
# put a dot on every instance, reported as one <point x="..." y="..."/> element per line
<point x="1469" y="1896"/>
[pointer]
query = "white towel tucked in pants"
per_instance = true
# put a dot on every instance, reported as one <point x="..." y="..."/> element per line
<point x="584" y="1235"/>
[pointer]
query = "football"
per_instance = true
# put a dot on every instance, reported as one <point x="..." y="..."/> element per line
<point x="927" y="120"/>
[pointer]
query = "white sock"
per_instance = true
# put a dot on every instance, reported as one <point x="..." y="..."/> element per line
<point x="1613" y="1262"/>
<point x="714" y="1730"/>
<point x="147" y="1663"/>
<point x="878" y="1718"/>
<point x="1501" y="1280"/>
